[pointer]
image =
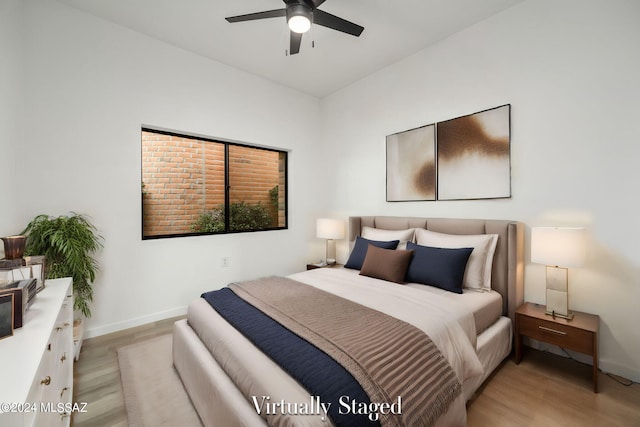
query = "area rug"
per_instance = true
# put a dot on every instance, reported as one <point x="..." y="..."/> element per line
<point x="153" y="392"/>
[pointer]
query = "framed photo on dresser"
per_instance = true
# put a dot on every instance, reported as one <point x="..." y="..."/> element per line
<point x="6" y="315"/>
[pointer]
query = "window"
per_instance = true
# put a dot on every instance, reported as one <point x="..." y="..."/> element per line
<point x="193" y="185"/>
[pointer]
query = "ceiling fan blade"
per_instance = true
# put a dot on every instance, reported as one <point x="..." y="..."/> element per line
<point x="294" y="43"/>
<point x="258" y="15"/>
<point x="335" y="23"/>
<point x="317" y="3"/>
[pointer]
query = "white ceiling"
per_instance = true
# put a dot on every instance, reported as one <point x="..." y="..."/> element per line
<point x="393" y="30"/>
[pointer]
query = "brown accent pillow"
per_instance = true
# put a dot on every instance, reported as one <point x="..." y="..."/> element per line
<point x="386" y="264"/>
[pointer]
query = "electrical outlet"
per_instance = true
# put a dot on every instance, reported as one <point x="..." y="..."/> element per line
<point x="224" y="262"/>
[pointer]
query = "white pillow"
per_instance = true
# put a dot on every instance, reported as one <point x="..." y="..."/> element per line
<point x="478" y="272"/>
<point x="387" y="235"/>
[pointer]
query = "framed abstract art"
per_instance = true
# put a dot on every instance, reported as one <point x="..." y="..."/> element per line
<point x="474" y="156"/>
<point x="411" y="165"/>
<point x="468" y="157"/>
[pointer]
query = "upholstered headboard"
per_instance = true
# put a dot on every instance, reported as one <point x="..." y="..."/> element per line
<point x="507" y="274"/>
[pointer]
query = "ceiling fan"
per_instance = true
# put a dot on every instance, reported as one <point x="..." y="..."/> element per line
<point x="300" y="15"/>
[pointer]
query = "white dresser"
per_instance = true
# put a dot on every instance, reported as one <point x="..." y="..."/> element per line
<point x="36" y="363"/>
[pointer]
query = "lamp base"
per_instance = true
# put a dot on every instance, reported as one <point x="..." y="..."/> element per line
<point x="557" y="293"/>
<point x="331" y="252"/>
<point x="567" y="316"/>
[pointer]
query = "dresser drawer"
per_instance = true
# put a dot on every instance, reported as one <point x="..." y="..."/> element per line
<point x="38" y="359"/>
<point x="53" y="383"/>
<point x="553" y="333"/>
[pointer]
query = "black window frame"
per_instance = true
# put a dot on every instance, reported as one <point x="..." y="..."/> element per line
<point x="227" y="186"/>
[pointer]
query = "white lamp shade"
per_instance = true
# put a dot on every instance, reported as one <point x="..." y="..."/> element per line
<point x="328" y="228"/>
<point x="558" y="246"/>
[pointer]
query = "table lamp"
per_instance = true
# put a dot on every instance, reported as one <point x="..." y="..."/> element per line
<point x="330" y="229"/>
<point x="558" y="248"/>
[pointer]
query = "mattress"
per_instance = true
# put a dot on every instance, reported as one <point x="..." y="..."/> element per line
<point x="256" y="375"/>
<point x="485" y="306"/>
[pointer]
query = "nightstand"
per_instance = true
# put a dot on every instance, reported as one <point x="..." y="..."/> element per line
<point x="579" y="334"/>
<point x="314" y="266"/>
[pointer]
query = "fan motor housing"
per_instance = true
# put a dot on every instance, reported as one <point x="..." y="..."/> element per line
<point x="299" y="10"/>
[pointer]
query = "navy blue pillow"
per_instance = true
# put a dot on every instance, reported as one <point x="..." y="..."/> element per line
<point x="439" y="267"/>
<point x="359" y="251"/>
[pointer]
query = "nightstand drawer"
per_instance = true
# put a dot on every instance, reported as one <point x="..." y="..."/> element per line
<point x="579" y="334"/>
<point x="558" y="334"/>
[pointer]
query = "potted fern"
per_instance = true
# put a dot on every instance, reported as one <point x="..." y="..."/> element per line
<point x="69" y="243"/>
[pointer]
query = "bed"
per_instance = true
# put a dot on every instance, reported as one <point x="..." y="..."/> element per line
<point x="228" y="377"/>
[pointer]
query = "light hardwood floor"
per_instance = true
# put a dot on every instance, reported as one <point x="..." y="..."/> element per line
<point x="97" y="375"/>
<point x="543" y="390"/>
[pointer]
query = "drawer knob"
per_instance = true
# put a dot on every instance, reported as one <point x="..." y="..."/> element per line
<point x="63" y="358"/>
<point x="64" y="325"/>
<point x="46" y="380"/>
<point x="553" y="331"/>
<point x="63" y="390"/>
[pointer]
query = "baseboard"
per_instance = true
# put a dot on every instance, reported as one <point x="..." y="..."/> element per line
<point x="604" y="365"/>
<point x="622" y="371"/>
<point x="138" y="321"/>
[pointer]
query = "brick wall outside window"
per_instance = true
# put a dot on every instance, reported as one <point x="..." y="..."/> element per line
<point x="182" y="177"/>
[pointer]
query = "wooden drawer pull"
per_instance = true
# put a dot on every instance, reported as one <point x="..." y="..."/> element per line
<point x="553" y="331"/>
<point x="46" y="380"/>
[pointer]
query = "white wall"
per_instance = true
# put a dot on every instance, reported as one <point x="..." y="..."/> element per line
<point x="570" y="71"/>
<point x="91" y="85"/>
<point x="11" y="17"/>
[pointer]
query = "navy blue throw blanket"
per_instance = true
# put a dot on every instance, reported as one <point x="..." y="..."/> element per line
<point x="320" y="374"/>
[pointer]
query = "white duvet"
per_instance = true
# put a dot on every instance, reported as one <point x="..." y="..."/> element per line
<point x="449" y="323"/>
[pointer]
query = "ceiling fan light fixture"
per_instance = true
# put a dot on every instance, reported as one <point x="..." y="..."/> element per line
<point x="299" y="24"/>
<point x="299" y="18"/>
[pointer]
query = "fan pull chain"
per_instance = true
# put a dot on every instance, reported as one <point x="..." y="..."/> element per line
<point x="312" y="33"/>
